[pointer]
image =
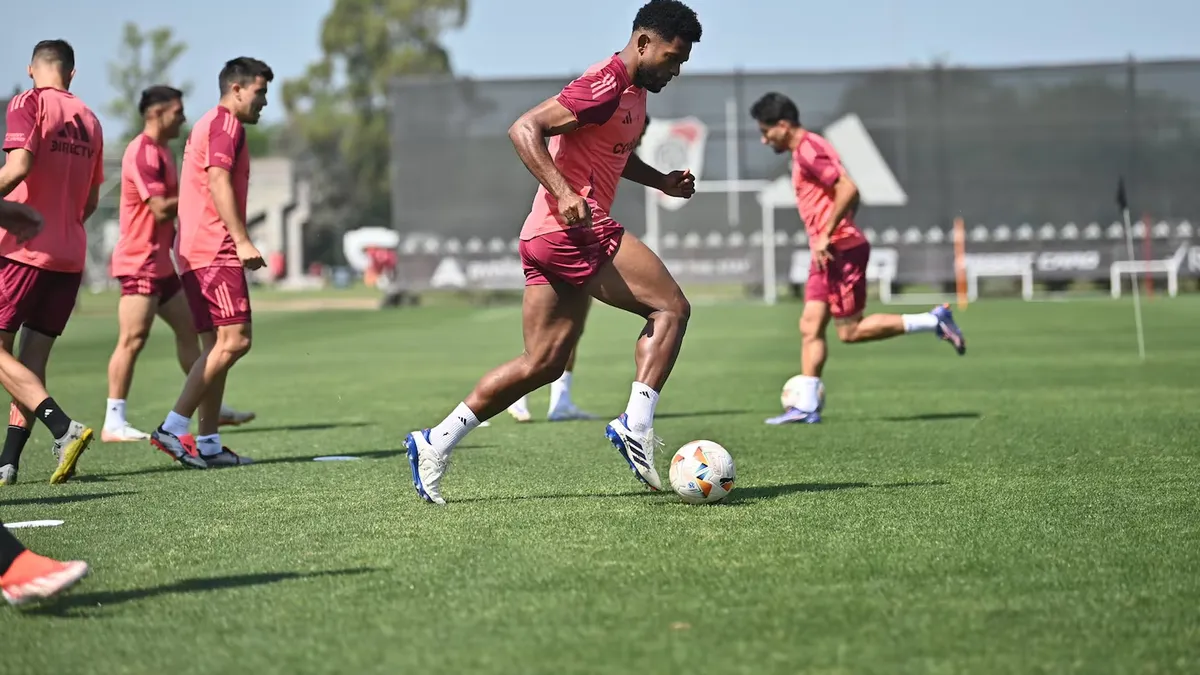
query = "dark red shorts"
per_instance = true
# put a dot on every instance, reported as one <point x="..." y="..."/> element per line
<point x="36" y="298"/>
<point x="163" y="288"/>
<point x="217" y="296"/>
<point x="843" y="283"/>
<point x="571" y="255"/>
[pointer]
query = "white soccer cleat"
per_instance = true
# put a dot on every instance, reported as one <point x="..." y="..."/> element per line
<point x="123" y="434"/>
<point x="637" y="449"/>
<point x="520" y="410"/>
<point x="428" y="466"/>
<point x="567" y="412"/>
<point x="8" y="475"/>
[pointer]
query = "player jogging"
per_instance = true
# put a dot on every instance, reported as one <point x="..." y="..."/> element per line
<point x="54" y="164"/>
<point x="572" y="249"/>
<point x="141" y="260"/>
<point x="837" y="277"/>
<point x="22" y="224"/>
<point x="214" y="251"/>
<point x="562" y="408"/>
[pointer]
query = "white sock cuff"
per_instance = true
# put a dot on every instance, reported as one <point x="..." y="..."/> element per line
<point x="466" y="416"/>
<point x="919" y="323"/>
<point x="176" y="424"/>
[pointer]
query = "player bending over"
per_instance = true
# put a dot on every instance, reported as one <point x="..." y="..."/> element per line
<point x="572" y="249"/>
<point x="54" y="165"/>
<point x="837" y="277"/>
<point x="214" y="251"/>
<point x="141" y="261"/>
<point x="562" y="408"/>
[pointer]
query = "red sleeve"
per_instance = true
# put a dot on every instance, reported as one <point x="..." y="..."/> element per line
<point x="226" y="136"/>
<point x="23" y="122"/>
<point x="818" y="166"/>
<point x="151" y="172"/>
<point x="593" y="98"/>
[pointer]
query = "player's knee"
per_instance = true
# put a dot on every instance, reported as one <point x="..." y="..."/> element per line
<point x="810" y="327"/>
<point x="546" y="366"/>
<point x="848" y="332"/>
<point x="133" y="342"/>
<point x="234" y="344"/>
<point x="678" y="310"/>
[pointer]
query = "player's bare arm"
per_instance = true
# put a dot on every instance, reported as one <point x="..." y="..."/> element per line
<point x="220" y="184"/>
<point x="93" y="200"/>
<point x="20" y="220"/>
<point x="845" y="202"/>
<point x="529" y="134"/>
<point x="675" y="184"/>
<point x="16" y="167"/>
<point x="163" y="208"/>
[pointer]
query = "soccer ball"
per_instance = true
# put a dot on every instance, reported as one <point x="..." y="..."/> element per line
<point x="702" y="473"/>
<point x="790" y="398"/>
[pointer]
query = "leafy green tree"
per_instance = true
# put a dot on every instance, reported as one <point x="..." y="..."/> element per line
<point x="338" y="109"/>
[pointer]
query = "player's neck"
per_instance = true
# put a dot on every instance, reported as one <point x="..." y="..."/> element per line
<point x="629" y="57"/>
<point x="797" y="136"/>
<point x="228" y="105"/>
<point x="154" y="133"/>
<point x="51" y="84"/>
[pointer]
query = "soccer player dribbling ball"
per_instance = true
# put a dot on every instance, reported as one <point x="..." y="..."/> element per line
<point x="141" y="260"/>
<point x="214" y="251"/>
<point x="562" y="407"/>
<point x="54" y="165"/>
<point x="837" y="278"/>
<point x="573" y="250"/>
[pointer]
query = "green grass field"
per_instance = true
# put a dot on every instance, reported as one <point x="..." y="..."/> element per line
<point x="1032" y="507"/>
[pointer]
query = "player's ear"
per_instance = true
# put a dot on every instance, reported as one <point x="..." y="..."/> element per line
<point x="29" y="69"/>
<point x="643" y="43"/>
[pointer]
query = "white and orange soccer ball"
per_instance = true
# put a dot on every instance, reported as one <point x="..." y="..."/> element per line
<point x="702" y="472"/>
<point x="790" y="397"/>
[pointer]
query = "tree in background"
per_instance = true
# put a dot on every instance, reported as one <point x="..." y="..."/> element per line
<point x="146" y="58"/>
<point x="338" y="110"/>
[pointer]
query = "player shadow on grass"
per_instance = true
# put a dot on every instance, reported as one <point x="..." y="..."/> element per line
<point x="758" y="493"/>
<point x="76" y="604"/>
<point x="699" y="413"/>
<point x="312" y="426"/>
<point x="934" y="417"/>
<point x="61" y="499"/>
<point x="296" y="459"/>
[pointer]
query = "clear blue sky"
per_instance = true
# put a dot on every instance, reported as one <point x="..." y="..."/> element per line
<point x="506" y="38"/>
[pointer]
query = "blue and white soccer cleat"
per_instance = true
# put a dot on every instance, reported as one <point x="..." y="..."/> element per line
<point x="638" y="450"/>
<point x="796" y="416"/>
<point x="427" y="464"/>
<point x="948" y="330"/>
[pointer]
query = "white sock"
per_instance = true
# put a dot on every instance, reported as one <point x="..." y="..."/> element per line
<point x="810" y="398"/>
<point x="560" y="391"/>
<point x="640" y="411"/>
<point x="209" y="445"/>
<point x="176" y="424"/>
<point x="114" y="415"/>
<point x="453" y="429"/>
<point x="920" y="323"/>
